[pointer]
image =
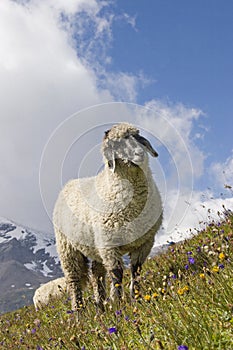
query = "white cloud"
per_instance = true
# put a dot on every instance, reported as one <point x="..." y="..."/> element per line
<point x="42" y="82"/>
<point x="173" y="125"/>
<point x="222" y="173"/>
<point x="202" y="210"/>
<point x="53" y="57"/>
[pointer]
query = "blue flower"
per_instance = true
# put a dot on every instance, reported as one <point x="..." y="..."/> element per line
<point x="186" y="267"/>
<point x="112" y="330"/>
<point x="221" y="266"/>
<point x="183" y="347"/>
<point x="118" y="312"/>
<point x="191" y="261"/>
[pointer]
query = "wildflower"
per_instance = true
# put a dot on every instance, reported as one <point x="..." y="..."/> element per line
<point x="180" y="291"/>
<point x="183" y="290"/>
<point x="191" y="261"/>
<point x="221" y="256"/>
<point x="215" y="269"/>
<point x="118" y="312"/>
<point x="39" y="347"/>
<point x="33" y="330"/>
<point x="117" y="285"/>
<point x="186" y="267"/>
<point x="202" y="275"/>
<point x="147" y="297"/>
<point x="112" y="330"/>
<point x="155" y="295"/>
<point x="221" y="266"/>
<point x="182" y="347"/>
<point x="127" y="318"/>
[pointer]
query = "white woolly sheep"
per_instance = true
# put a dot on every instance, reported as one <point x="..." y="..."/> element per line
<point x="104" y="217"/>
<point x="54" y="289"/>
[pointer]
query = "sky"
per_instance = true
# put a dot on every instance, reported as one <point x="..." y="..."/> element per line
<point x="69" y="69"/>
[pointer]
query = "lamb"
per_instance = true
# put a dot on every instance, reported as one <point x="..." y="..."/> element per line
<point x="104" y="217"/>
<point x="49" y="291"/>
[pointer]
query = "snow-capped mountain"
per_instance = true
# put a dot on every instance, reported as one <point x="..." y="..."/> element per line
<point x="27" y="259"/>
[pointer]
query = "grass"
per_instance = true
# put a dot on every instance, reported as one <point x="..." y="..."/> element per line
<point x="185" y="302"/>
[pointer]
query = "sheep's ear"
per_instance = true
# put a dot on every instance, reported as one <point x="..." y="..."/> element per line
<point x="106" y="134"/>
<point x="112" y="163"/>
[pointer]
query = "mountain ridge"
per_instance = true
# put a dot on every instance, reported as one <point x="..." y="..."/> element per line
<point x="28" y="259"/>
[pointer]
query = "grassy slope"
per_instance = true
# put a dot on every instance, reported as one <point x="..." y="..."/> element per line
<point x="186" y="299"/>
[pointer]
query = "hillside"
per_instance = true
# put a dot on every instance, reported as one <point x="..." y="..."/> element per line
<point x="185" y="303"/>
<point x="27" y="259"/>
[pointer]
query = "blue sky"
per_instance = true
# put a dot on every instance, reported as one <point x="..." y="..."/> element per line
<point x="166" y="66"/>
<point x="186" y="47"/>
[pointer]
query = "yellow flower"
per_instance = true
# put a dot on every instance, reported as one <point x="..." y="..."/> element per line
<point x="215" y="269"/>
<point x="147" y="297"/>
<point x="117" y="285"/>
<point x="202" y="275"/>
<point x="221" y="256"/>
<point x="180" y="291"/>
<point x="155" y="295"/>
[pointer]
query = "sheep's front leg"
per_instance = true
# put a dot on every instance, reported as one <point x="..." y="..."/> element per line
<point x="98" y="282"/>
<point x="137" y="258"/>
<point x="135" y="277"/>
<point x="116" y="275"/>
<point x="114" y="266"/>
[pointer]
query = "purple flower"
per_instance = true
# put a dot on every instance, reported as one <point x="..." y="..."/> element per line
<point x="183" y="347"/>
<point x="173" y="276"/>
<point x="118" y="312"/>
<point x="112" y="330"/>
<point x="127" y="318"/>
<point x="221" y="266"/>
<point x="191" y="261"/>
<point x="189" y="253"/>
<point x="186" y="267"/>
<point x="33" y="330"/>
<point x="38" y="347"/>
<point x="83" y="348"/>
<point x="69" y="311"/>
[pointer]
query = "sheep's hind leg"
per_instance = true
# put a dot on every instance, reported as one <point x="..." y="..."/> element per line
<point x="98" y="282"/>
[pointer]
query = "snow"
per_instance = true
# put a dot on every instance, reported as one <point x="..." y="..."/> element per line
<point x="31" y="266"/>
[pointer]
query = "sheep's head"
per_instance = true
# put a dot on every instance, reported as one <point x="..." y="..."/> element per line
<point x="123" y="143"/>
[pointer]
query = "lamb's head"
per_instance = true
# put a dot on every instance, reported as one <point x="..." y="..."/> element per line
<point x="124" y="143"/>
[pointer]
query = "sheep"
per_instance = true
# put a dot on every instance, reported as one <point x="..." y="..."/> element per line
<point x="104" y="217"/>
<point x="49" y="291"/>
